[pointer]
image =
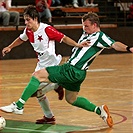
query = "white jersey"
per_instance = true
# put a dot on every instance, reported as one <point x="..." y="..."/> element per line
<point x="3" y="4"/>
<point x="43" y="42"/>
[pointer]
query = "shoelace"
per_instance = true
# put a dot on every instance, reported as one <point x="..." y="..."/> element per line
<point x="104" y="118"/>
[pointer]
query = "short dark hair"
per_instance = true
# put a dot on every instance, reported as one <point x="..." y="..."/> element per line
<point x="31" y="11"/>
<point x="93" y="17"/>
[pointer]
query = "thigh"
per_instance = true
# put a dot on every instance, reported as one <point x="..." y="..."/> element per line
<point x="5" y="14"/>
<point x="41" y="14"/>
<point x="55" y="74"/>
<point x="14" y="14"/>
<point x="41" y="75"/>
<point x="48" y="13"/>
<point x="67" y="76"/>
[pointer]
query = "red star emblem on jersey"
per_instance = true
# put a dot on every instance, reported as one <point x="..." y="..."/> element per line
<point x="40" y="38"/>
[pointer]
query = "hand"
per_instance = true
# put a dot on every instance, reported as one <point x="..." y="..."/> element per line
<point x="131" y="49"/>
<point x="6" y="50"/>
<point x="1" y="4"/>
<point x="46" y="4"/>
<point x="84" y="44"/>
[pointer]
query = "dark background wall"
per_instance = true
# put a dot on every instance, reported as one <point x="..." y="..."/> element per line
<point x="123" y="34"/>
<point x="22" y="2"/>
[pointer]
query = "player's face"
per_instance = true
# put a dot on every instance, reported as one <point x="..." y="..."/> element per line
<point x="88" y="27"/>
<point x="30" y="23"/>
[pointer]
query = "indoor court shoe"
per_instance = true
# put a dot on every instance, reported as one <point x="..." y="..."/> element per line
<point x="60" y="92"/>
<point x="12" y="108"/>
<point x="105" y="115"/>
<point x="46" y="120"/>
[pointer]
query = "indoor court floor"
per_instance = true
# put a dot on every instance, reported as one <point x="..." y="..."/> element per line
<point x="109" y="81"/>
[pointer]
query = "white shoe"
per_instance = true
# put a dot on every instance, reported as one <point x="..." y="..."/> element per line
<point x="12" y="108"/>
<point x="87" y="4"/>
<point x="75" y="5"/>
<point x="91" y="5"/>
<point x="105" y="115"/>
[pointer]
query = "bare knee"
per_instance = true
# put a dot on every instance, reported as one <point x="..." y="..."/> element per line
<point x="41" y="75"/>
<point x="36" y="74"/>
<point x="70" y="100"/>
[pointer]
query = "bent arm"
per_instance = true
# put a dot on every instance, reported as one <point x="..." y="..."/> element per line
<point x="71" y="42"/>
<point x="15" y="43"/>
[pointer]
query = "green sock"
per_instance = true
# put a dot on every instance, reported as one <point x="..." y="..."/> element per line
<point x="30" y="89"/>
<point x="84" y="103"/>
<point x="98" y="111"/>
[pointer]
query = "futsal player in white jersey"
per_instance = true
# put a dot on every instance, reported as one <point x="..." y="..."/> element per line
<point x="42" y="37"/>
<point x="45" y="50"/>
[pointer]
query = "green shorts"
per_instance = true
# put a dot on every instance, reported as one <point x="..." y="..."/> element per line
<point x="67" y="76"/>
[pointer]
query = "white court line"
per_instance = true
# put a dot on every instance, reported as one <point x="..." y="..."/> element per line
<point x="30" y="130"/>
<point x="100" y="70"/>
<point x="107" y="88"/>
<point x="109" y="76"/>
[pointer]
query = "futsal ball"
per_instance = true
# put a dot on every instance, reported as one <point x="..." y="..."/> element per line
<point x="2" y="122"/>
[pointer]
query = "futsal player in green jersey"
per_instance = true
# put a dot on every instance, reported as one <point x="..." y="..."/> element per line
<point x="71" y="74"/>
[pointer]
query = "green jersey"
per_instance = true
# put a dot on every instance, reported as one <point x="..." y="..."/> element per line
<point x="83" y="57"/>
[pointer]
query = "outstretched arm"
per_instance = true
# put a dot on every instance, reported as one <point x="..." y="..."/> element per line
<point x="122" y="47"/>
<point x="15" y="43"/>
<point x="71" y="42"/>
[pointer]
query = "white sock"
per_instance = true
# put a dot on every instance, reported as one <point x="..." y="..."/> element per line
<point x="43" y="100"/>
<point x="44" y="103"/>
<point x="49" y="87"/>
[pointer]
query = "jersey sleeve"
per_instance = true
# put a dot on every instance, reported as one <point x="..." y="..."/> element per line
<point x="53" y="34"/>
<point x="23" y="36"/>
<point x="105" y="41"/>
